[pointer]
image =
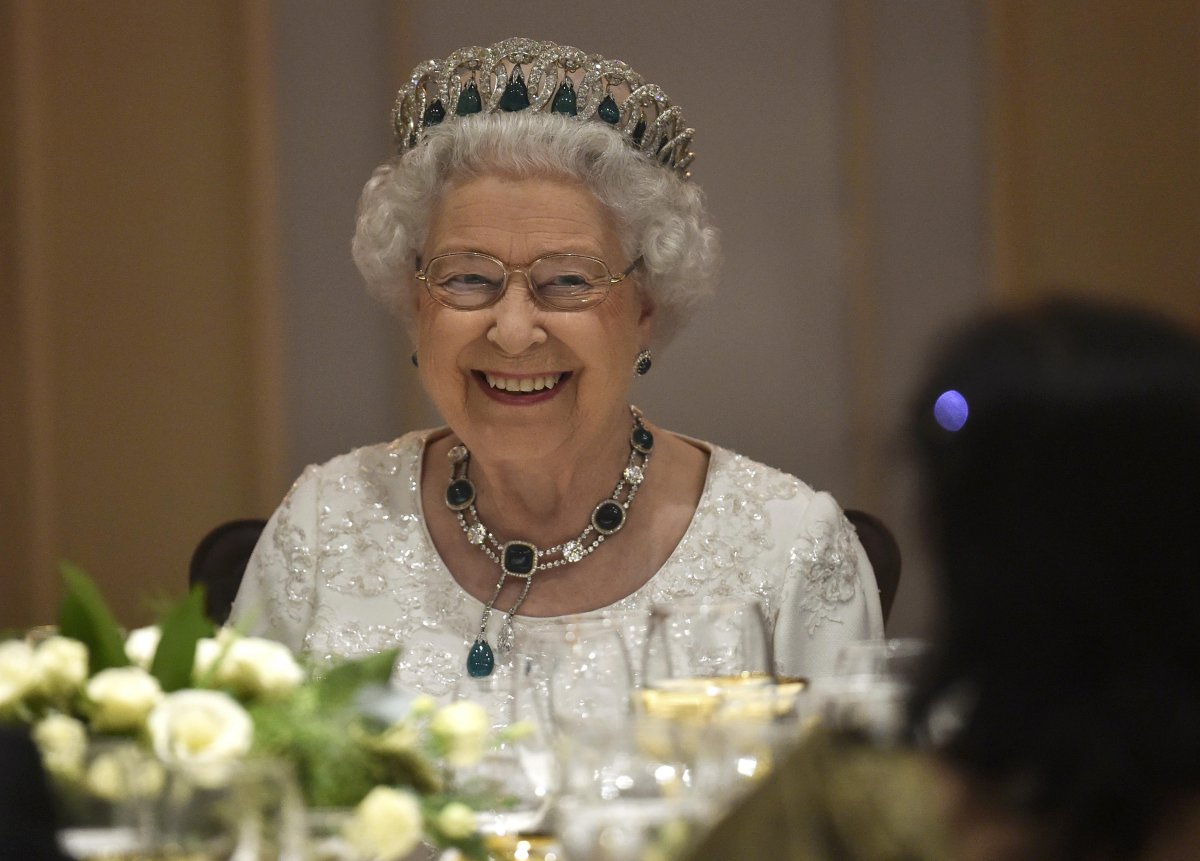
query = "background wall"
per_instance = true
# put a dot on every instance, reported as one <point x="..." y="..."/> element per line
<point x="182" y="329"/>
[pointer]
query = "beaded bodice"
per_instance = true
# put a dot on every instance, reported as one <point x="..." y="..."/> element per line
<point x="346" y="566"/>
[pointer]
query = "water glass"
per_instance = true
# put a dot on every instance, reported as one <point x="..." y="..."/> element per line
<point x="621" y="802"/>
<point x="512" y="784"/>
<point x="578" y="670"/>
<point x="868" y="692"/>
<point x="106" y="790"/>
<point x="245" y="811"/>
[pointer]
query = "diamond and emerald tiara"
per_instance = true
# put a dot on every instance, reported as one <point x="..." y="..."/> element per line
<point x="525" y="74"/>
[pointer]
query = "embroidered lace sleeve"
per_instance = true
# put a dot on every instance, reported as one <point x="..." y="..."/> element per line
<point x="829" y="597"/>
<point x="277" y="597"/>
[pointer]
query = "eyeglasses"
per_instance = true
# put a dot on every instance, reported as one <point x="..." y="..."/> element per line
<point x="469" y="280"/>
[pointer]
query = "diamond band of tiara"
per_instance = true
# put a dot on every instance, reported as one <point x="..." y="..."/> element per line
<point x="525" y="74"/>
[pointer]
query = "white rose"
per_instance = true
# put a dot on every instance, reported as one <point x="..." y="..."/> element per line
<point x="254" y="667"/>
<point x="123" y="697"/>
<point x="197" y="727"/>
<point x="209" y="649"/>
<point x="456" y="821"/>
<point x="386" y="824"/>
<point x="62" y="666"/>
<point x="461" y="728"/>
<point x="17" y="673"/>
<point x="62" y="741"/>
<point x="141" y="644"/>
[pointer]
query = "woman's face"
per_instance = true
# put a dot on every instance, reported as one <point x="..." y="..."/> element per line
<point x="472" y="361"/>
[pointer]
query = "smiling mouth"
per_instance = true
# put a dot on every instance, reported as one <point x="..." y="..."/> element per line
<point x="522" y="385"/>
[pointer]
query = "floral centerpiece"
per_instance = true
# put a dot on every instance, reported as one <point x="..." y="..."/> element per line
<point x="198" y="697"/>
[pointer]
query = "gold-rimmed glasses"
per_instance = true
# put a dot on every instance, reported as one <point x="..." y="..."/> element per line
<point x="471" y="280"/>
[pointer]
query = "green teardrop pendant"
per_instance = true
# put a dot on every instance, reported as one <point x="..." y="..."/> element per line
<point x="480" y="660"/>
<point x="434" y="114"/>
<point x="516" y="94"/>
<point x="564" y="99"/>
<point x="468" y="101"/>
<point x="608" y="111"/>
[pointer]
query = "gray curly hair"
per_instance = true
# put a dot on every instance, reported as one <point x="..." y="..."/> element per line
<point x="660" y="216"/>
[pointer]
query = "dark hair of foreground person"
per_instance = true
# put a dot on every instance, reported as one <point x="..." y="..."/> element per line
<point x="1063" y="518"/>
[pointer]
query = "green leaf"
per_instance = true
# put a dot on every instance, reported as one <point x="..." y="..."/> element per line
<point x="85" y="617"/>
<point x="338" y="687"/>
<point x="184" y="625"/>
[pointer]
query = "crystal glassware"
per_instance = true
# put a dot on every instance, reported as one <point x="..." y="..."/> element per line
<point x="106" y="790"/>
<point x="868" y="691"/>
<point x="512" y="784"/>
<point x="622" y="802"/>
<point x="578" y="670"/>
<point x="250" y="809"/>
<point x="698" y="652"/>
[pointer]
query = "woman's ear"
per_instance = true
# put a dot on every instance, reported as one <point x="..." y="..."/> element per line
<point x="647" y="318"/>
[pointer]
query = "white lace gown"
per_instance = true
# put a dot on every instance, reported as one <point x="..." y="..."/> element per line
<point x="346" y="566"/>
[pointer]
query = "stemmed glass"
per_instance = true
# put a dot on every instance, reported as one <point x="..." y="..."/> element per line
<point x="106" y="791"/>
<point x="513" y="783"/>
<point x="623" y="801"/>
<point x="698" y="652"/>
<point x="869" y="688"/>
<point x="250" y="809"/>
<point x="579" y="671"/>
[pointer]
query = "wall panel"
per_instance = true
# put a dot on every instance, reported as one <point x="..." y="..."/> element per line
<point x="1096" y="136"/>
<point x="140" y="267"/>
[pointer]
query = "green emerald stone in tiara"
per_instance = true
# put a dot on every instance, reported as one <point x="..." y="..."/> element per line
<point x="564" y="99"/>
<point x="468" y="101"/>
<point x="530" y="75"/>
<point x="516" y="94"/>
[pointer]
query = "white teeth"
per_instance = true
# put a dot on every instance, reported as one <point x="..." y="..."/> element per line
<point x="524" y="384"/>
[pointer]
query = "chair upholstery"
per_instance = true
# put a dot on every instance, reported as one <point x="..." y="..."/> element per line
<point x="219" y="562"/>
<point x="884" y="553"/>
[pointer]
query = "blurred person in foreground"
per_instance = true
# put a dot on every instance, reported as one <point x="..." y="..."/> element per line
<point x="1059" y="715"/>
<point x="27" y="814"/>
<point x="539" y="235"/>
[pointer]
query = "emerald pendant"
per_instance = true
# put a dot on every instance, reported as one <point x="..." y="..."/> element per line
<point x="468" y="101"/>
<point x="564" y="99"/>
<point x="516" y="94"/>
<point x="480" y="660"/>
<point x="608" y="111"/>
<point x="434" y="114"/>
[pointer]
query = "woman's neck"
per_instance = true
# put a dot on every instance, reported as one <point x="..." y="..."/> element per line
<point x="549" y="499"/>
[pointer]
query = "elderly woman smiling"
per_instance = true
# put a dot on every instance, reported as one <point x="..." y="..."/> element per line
<point x="538" y="234"/>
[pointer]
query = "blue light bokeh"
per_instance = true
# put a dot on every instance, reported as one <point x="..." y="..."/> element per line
<point x="950" y="410"/>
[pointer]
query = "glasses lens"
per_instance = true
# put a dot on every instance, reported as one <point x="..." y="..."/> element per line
<point x="464" y="280"/>
<point x="568" y="282"/>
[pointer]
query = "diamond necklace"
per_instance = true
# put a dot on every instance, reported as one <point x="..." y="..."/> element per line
<point x="524" y="559"/>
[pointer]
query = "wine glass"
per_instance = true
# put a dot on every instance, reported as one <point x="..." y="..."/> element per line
<point x="579" y="672"/>
<point x="105" y="792"/>
<point x="512" y="784"/>
<point x="238" y="810"/>
<point x="621" y="801"/>
<point x="868" y="691"/>
<point x="697" y="652"/>
<point x="898" y="658"/>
